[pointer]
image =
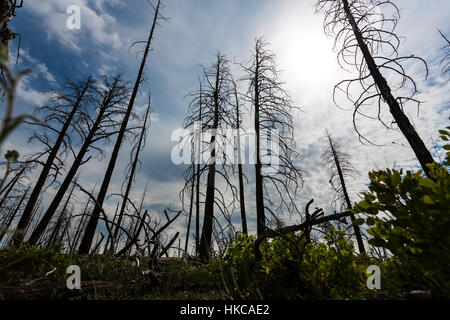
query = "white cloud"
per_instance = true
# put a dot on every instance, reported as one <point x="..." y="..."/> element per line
<point x="97" y="24"/>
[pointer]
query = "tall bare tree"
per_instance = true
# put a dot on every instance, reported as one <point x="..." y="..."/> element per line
<point x="88" y="236"/>
<point x="239" y="159"/>
<point x="65" y="106"/>
<point x="368" y="42"/>
<point x="94" y="126"/>
<point x="211" y="108"/>
<point x="273" y="120"/>
<point x="132" y="171"/>
<point x="339" y="165"/>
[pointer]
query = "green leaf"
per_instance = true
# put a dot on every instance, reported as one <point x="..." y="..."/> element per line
<point x="370" y="221"/>
<point x="428" y="200"/>
<point x="358" y="222"/>
<point x="364" y="205"/>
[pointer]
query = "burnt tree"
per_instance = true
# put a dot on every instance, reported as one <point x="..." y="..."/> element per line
<point x="368" y="42"/>
<point x="65" y="106"/>
<point x="274" y="136"/>
<point x="339" y="165"/>
<point x="88" y="236"/>
<point x="94" y="126"/>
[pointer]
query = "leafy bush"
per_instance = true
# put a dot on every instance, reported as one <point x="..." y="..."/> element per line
<point x="290" y="268"/>
<point x="409" y="215"/>
<point x="25" y="263"/>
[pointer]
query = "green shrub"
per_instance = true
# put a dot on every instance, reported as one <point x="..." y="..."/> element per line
<point x="25" y="263"/>
<point x="289" y="268"/>
<point x="409" y="215"/>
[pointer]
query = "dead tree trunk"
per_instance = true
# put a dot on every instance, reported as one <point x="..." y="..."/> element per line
<point x="13" y="214"/>
<point x="356" y="228"/>
<point x="208" y="220"/>
<point x="190" y="211"/>
<point x="27" y="212"/>
<point x="419" y="148"/>
<point x="260" y="216"/>
<point x="273" y="121"/>
<point x="57" y="228"/>
<point x="115" y="92"/>
<point x="132" y="173"/>
<point x="240" y="174"/>
<point x="371" y="39"/>
<point x="86" y="241"/>
<point x="197" y="196"/>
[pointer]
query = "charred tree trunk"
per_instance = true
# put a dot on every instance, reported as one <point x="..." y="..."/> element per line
<point x="28" y="211"/>
<point x="58" y="224"/>
<point x="40" y="228"/>
<point x="197" y="196"/>
<point x="81" y="224"/>
<point x="131" y="177"/>
<point x="260" y="216"/>
<point x="358" y="236"/>
<point x="240" y="174"/>
<point x="416" y="143"/>
<point x="190" y="211"/>
<point x="208" y="220"/>
<point x="13" y="214"/>
<point x="88" y="236"/>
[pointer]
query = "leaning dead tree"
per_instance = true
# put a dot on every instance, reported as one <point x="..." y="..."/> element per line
<point x="65" y="105"/>
<point x="211" y="109"/>
<point x="95" y="125"/>
<point x="365" y="39"/>
<point x="132" y="170"/>
<point x="275" y="172"/>
<point x="340" y="166"/>
<point x="88" y="236"/>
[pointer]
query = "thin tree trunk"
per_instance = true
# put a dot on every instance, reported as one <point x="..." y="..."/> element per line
<point x="40" y="228"/>
<point x="197" y="197"/>
<point x="114" y="223"/>
<point x="60" y="220"/>
<point x="240" y="174"/>
<point x="260" y="216"/>
<point x="131" y="177"/>
<point x="416" y="143"/>
<point x="10" y="185"/>
<point x="358" y="236"/>
<point x="139" y="212"/>
<point x="190" y="211"/>
<point x="135" y="238"/>
<point x="27" y="212"/>
<point x="208" y="220"/>
<point x="13" y="215"/>
<point x="81" y="224"/>
<point x="86" y="241"/>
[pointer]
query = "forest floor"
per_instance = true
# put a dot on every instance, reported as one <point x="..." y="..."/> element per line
<point x="175" y="279"/>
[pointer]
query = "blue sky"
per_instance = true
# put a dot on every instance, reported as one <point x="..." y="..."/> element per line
<point x="196" y="31"/>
